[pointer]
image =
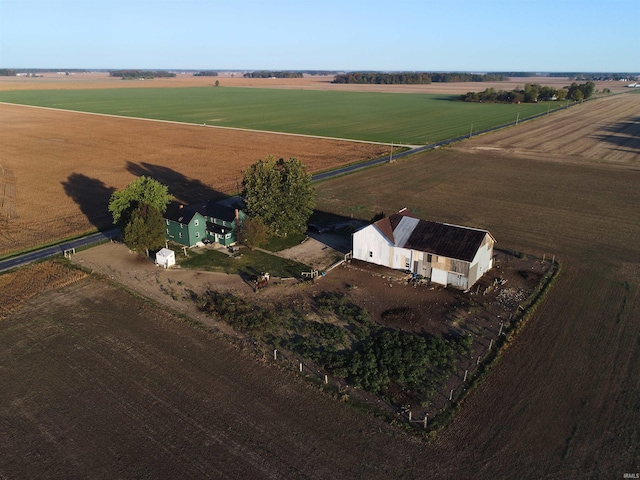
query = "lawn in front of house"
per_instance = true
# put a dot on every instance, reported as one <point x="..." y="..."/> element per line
<point x="247" y="263"/>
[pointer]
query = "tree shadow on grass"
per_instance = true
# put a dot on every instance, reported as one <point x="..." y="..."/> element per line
<point x="92" y="196"/>
<point x="185" y="190"/>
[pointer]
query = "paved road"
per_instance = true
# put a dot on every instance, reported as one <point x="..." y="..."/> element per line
<point x="101" y="236"/>
<point x="413" y="150"/>
<point x="57" y="249"/>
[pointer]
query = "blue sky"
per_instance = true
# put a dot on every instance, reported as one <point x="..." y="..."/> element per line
<point x="478" y="35"/>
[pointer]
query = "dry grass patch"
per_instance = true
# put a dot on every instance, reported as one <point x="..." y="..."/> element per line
<point x="19" y="286"/>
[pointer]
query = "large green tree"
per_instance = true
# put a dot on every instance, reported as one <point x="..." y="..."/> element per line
<point x="137" y="210"/>
<point x="143" y="190"/>
<point x="145" y="229"/>
<point x="280" y="193"/>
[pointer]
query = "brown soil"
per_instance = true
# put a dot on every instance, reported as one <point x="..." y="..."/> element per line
<point x="97" y="383"/>
<point x="390" y="296"/>
<point x="603" y="131"/>
<point x="64" y="166"/>
<point x="19" y="286"/>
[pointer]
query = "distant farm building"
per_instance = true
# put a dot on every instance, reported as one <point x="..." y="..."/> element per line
<point x="447" y="254"/>
<point x="204" y="222"/>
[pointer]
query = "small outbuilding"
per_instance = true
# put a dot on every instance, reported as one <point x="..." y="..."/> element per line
<point x="165" y="258"/>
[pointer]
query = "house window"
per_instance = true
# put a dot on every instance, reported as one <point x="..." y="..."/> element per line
<point x="407" y="264"/>
<point x="180" y="234"/>
<point x="197" y="234"/>
<point x="228" y="235"/>
<point x="181" y="225"/>
<point x="167" y="231"/>
<point x="167" y="222"/>
<point x="196" y="222"/>
<point x="370" y="254"/>
<point x="428" y="258"/>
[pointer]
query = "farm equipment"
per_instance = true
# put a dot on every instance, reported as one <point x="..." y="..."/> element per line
<point x="261" y="281"/>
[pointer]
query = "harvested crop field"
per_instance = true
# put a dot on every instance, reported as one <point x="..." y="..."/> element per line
<point x="95" y="80"/>
<point x="64" y="166"/>
<point x="19" y="286"/>
<point x="100" y="384"/>
<point x="603" y="131"/>
<point x="565" y="398"/>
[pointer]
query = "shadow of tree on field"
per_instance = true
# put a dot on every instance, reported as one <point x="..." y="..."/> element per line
<point x="624" y="134"/>
<point x="185" y="190"/>
<point x="92" y="196"/>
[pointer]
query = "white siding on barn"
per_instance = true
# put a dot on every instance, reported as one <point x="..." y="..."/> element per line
<point x="483" y="258"/>
<point x="439" y="276"/>
<point x="370" y="245"/>
<point x="401" y="257"/>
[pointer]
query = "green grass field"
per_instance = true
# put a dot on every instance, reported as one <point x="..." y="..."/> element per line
<point x="381" y="117"/>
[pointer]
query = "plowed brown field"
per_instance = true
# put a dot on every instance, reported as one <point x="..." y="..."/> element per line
<point x="604" y="131"/>
<point x="564" y="400"/>
<point x="99" y="384"/>
<point x="65" y="165"/>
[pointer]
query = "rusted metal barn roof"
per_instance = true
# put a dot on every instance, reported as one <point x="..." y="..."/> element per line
<point x="404" y="230"/>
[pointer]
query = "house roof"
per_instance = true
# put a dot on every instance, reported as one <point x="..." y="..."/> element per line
<point x="179" y="213"/>
<point x="183" y="214"/>
<point x="220" y="211"/>
<point x="404" y="230"/>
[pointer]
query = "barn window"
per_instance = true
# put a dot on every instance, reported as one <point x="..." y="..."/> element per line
<point x="197" y="234"/>
<point x="167" y="222"/>
<point x="167" y="231"/>
<point x="370" y="254"/>
<point x="180" y="234"/>
<point x="196" y="222"/>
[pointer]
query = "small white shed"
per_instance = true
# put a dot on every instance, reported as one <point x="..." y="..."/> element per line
<point x="165" y="258"/>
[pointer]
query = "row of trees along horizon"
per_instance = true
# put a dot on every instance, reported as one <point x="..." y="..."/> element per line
<point x="532" y="93"/>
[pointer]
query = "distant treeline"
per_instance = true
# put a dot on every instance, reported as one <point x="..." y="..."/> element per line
<point x="531" y="93"/>
<point x="414" y="78"/>
<point x="593" y="76"/>
<point x="6" y="72"/>
<point x="206" y="73"/>
<point x="137" y="74"/>
<point x="268" y="74"/>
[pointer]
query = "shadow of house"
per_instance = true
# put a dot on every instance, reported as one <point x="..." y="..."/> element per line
<point x="92" y="196"/>
<point x="185" y="190"/>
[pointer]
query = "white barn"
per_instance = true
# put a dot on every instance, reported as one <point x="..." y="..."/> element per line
<point x="447" y="254"/>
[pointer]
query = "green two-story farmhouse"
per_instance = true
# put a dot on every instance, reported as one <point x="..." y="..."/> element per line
<point x="204" y="222"/>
